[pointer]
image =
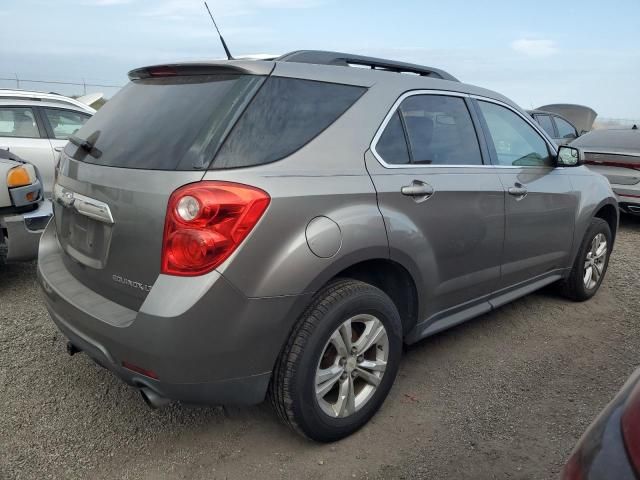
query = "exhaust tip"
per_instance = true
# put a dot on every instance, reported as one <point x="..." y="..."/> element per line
<point x="152" y="399"/>
<point x="72" y="349"/>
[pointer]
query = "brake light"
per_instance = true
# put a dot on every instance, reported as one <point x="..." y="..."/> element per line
<point x="631" y="427"/>
<point x="206" y="222"/>
<point x="162" y="72"/>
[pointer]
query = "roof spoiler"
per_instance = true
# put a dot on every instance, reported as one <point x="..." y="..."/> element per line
<point x="320" y="57"/>
<point x="233" y="67"/>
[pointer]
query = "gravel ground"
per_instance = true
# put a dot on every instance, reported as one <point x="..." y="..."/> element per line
<point x="504" y="396"/>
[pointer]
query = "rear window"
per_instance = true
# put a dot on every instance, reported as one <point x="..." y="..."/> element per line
<point x="284" y="116"/>
<point x="181" y="123"/>
<point x="167" y="123"/>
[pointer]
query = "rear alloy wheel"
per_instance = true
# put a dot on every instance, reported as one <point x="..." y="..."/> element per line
<point x="591" y="263"/>
<point x="352" y="365"/>
<point x="340" y="361"/>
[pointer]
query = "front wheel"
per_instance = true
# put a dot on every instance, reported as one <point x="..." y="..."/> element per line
<point x="340" y="362"/>
<point x="591" y="263"/>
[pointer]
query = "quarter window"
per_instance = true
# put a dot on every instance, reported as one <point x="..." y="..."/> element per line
<point x="392" y="145"/>
<point x="565" y="129"/>
<point x="514" y="140"/>
<point x="439" y="131"/>
<point x="284" y="116"/>
<point x="64" y="123"/>
<point x="18" y="122"/>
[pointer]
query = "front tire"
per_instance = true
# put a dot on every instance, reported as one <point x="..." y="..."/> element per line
<point x="340" y="361"/>
<point x="591" y="263"/>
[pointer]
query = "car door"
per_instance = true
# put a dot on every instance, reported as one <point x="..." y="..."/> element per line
<point x="443" y="208"/>
<point x="23" y="135"/>
<point x="540" y="206"/>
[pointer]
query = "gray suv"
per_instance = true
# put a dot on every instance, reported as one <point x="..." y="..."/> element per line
<point x="235" y="230"/>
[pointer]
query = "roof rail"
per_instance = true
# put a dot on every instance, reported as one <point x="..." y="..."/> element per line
<point x="347" y="59"/>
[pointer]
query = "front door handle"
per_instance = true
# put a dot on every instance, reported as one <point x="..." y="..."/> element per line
<point x="417" y="189"/>
<point x="58" y="149"/>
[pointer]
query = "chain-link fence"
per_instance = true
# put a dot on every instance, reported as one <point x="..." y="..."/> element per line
<point x="79" y="87"/>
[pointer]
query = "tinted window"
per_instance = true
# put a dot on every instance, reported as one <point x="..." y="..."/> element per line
<point x="392" y="146"/>
<point x="440" y="131"/>
<point x="514" y="140"/>
<point x="284" y="116"/>
<point x="565" y="129"/>
<point x="546" y="123"/>
<point x="65" y="123"/>
<point x="18" y="122"/>
<point x="165" y="123"/>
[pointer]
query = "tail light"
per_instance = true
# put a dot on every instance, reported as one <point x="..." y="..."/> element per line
<point x="631" y="428"/>
<point x="206" y="222"/>
<point x="573" y="469"/>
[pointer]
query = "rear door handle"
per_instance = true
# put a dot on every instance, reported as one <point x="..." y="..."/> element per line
<point x="419" y="190"/>
<point x="518" y="191"/>
<point x="58" y="149"/>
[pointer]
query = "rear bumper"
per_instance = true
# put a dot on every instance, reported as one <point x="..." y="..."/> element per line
<point x="628" y="198"/>
<point x="220" y="350"/>
<point x="23" y="232"/>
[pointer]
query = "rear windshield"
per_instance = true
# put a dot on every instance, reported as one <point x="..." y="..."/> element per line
<point x="168" y="123"/>
<point x="181" y="123"/>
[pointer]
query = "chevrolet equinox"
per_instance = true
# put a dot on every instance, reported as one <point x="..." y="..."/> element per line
<point x="230" y="231"/>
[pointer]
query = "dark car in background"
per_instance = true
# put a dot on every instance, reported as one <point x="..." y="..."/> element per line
<point x="616" y="155"/>
<point x="561" y="130"/>
<point x="610" y="448"/>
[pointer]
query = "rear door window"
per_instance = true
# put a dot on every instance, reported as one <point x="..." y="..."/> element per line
<point x="285" y="115"/>
<point x="515" y="142"/>
<point x="18" y="122"/>
<point x="439" y="131"/>
<point x="547" y="124"/>
<point x="565" y="129"/>
<point x="65" y="123"/>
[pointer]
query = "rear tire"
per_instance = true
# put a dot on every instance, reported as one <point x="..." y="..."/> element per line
<point x="583" y="284"/>
<point x="349" y="333"/>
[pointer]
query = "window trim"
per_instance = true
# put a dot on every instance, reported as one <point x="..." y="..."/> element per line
<point x="42" y="132"/>
<point x="480" y="128"/>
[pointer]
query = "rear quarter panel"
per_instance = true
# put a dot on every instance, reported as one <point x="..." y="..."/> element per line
<point x="327" y="177"/>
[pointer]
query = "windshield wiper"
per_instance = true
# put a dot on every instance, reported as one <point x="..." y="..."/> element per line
<point x="85" y="145"/>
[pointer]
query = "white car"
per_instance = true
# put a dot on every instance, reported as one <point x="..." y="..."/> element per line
<point x="35" y="126"/>
<point x="24" y="212"/>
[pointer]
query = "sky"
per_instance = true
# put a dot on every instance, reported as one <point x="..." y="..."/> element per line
<point x="536" y="53"/>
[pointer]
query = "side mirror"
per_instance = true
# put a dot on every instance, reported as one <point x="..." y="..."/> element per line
<point x="568" y="157"/>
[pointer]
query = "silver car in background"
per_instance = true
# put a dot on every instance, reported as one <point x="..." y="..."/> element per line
<point x="227" y="231"/>
<point x="36" y="125"/>
<point x="615" y="154"/>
